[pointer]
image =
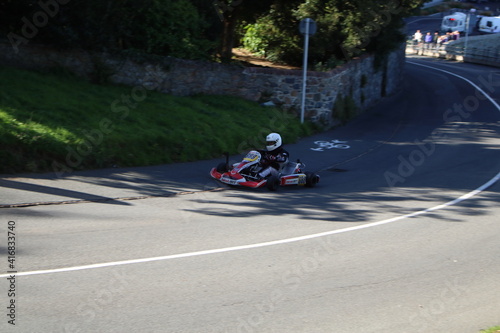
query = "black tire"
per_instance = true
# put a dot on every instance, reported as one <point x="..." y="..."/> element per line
<point x="311" y="179"/>
<point x="273" y="183"/>
<point x="222" y="167"/>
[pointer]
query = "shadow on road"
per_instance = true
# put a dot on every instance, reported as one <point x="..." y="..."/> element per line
<point x="80" y="196"/>
<point x="318" y="204"/>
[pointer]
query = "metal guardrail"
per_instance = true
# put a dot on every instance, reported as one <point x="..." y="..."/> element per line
<point x="486" y="54"/>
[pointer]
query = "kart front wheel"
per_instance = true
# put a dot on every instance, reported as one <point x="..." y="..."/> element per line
<point x="311" y="179"/>
<point x="273" y="183"/>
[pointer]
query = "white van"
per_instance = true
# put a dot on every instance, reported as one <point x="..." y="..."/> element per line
<point x="489" y="24"/>
<point x="454" y="22"/>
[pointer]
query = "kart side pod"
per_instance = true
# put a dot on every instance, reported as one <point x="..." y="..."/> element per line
<point x="308" y="179"/>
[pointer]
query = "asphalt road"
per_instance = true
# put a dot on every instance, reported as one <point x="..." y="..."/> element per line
<point x="401" y="234"/>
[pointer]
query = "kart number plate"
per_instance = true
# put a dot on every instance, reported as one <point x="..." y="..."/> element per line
<point x="229" y="181"/>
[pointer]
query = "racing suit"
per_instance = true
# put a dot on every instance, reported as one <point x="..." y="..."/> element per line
<point x="273" y="161"/>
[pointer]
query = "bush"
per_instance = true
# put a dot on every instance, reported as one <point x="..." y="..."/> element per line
<point x="344" y="109"/>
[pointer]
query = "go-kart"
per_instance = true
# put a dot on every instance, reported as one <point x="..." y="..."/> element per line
<point x="246" y="173"/>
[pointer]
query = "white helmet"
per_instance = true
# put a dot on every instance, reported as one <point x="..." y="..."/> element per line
<point x="273" y="141"/>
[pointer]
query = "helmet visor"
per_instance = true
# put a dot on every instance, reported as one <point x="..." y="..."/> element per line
<point x="271" y="143"/>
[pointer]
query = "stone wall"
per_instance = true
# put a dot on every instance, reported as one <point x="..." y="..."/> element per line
<point x="360" y="79"/>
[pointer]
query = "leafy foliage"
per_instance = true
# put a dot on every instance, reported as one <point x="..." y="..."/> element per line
<point x="174" y="28"/>
<point x="345" y="108"/>
<point x="206" y="28"/>
<point x="346" y="29"/>
<point x="166" y="27"/>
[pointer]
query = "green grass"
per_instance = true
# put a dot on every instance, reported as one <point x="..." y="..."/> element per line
<point x="495" y="329"/>
<point x="55" y="122"/>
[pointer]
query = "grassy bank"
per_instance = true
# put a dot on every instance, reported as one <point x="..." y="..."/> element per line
<point x="60" y="123"/>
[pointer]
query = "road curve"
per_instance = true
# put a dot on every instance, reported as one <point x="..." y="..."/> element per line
<point x="401" y="234"/>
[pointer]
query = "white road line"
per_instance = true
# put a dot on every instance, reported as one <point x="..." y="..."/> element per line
<point x="463" y="78"/>
<point x="288" y="240"/>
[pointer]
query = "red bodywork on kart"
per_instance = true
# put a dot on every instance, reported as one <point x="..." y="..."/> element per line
<point x="245" y="174"/>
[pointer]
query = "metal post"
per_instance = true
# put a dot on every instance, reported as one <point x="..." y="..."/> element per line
<point x="304" y="71"/>
<point x="466" y="35"/>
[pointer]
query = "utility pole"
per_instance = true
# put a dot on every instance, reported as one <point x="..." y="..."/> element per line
<point x="307" y="27"/>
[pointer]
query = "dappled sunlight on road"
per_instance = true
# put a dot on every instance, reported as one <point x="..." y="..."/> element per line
<point x="311" y="205"/>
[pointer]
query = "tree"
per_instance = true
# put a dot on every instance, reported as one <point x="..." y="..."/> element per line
<point x="175" y="28"/>
<point x="346" y="28"/>
<point x="193" y="28"/>
<point x="234" y="12"/>
<point x="165" y="27"/>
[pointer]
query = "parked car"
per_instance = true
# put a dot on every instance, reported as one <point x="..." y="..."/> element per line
<point x="489" y="25"/>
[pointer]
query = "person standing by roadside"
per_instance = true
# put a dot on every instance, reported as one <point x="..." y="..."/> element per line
<point x="428" y="40"/>
<point x="435" y="39"/>
<point x="417" y="37"/>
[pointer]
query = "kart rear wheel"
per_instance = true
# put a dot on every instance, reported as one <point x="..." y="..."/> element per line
<point x="311" y="179"/>
<point x="222" y="167"/>
<point x="273" y="183"/>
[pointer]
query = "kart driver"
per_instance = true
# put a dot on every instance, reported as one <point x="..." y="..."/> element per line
<point x="274" y="157"/>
